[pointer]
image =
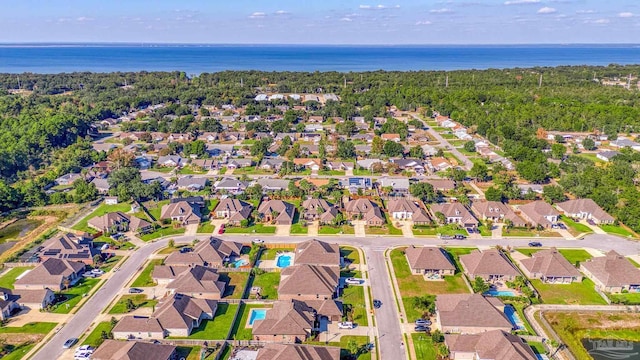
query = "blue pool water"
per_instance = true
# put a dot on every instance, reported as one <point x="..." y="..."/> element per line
<point x="499" y="293"/>
<point x="257" y="314"/>
<point x="240" y="262"/>
<point x="283" y="261"/>
<point x="513" y="317"/>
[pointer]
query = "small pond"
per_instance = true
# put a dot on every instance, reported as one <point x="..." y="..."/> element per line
<point x="18" y="229"/>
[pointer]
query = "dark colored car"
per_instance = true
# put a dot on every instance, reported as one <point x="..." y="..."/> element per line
<point x="459" y="237"/>
<point x="377" y="304"/>
<point x="535" y="244"/>
<point x="421" y="328"/>
<point x="423" y="322"/>
<point x="69" y="343"/>
<point x="135" y="291"/>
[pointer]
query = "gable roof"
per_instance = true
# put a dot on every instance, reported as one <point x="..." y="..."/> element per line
<point x="209" y="251"/>
<point x="550" y="263"/>
<point x="198" y="279"/>
<point x="309" y="279"/>
<point x="454" y="210"/>
<point x="495" y="345"/>
<point x="537" y="210"/>
<point x="51" y="272"/>
<point x="68" y="246"/>
<point x="286" y="318"/>
<point x="108" y="220"/>
<point x="133" y="350"/>
<point x="584" y="205"/>
<point x="285" y="210"/>
<point x="234" y="206"/>
<point x="613" y="270"/>
<point x="487" y="262"/>
<point x="181" y="208"/>
<point x="317" y="252"/>
<point x="179" y="311"/>
<point x="470" y="310"/>
<point x="298" y="352"/>
<point x="426" y="257"/>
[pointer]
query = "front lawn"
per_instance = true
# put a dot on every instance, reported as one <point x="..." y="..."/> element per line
<point x="218" y="328"/>
<point x="333" y="230"/>
<point x="575" y="228"/>
<point x="350" y="253"/>
<point x="144" y="279"/>
<point x="165" y="231"/>
<point x="19" y="351"/>
<point x="29" y="328"/>
<point x="449" y="229"/>
<point x="82" y="225"/>
<point x="626" y="298"/>
<point x="299" y="229"/>
<point x="268" y="283"/>
<point x="110" y="263"/>
<point x="9" y="277"/>
<point x="206" y="228"/>
<point x="424" y="346"/>
<point x="95" y="337"/>
<point x="74" y="294"/>
<point x="353" y="298"/>
<point x="332" y="172"/>
<point x="526" y="232"/>
<point x="575" y="293"/>
<point x="257" y="229"/>
<point x="139" y="300"/>
<point x="484" y="230"/>
<point x="235" y="283"/>
<point x="575" y="256"/>
<point x="616" y="230"/>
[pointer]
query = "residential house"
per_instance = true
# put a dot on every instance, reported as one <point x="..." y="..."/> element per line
<point x="134" y="350"/>
<point x="110" y="200"/>
<point x="53" y="274"/>
<point x="37" y="299"/>
<point x="205" y="164"/>
<point x="368" y="163"/>
<point x="415" y="165"/>
<point x="470" y="314"/>
<point x="192" y="183"/>
<point x="114" y="222"/>
<point x="171" y="161"/>
<point x="339" y="165"/>
<point x="102" y="185"/>
<point x="209" y="137"/>
<point x="356" y="183"/>
<point x="315" y="252"/>
<point x="231" y="186"/>
<point x="550" y="267"/>
<point x="234" y="210"/>
<point x="431" y="262"/>
<point x="270" y="185"/>
<point x="438" y="164"/>
<point x="585" y="209"/>
<point x="539" y="213"/>
<point x="313" y="164"/>
<point x="398" y="186"/>
<point x="274" y="164"/>
<point x="607" y="155"/>
<point x="368" y="137"/>
<point x="496" y="211"/>
<point x="455" y="213"/>
<point x="391" y="137"/>
<point x="527" y="188"/>
<point x="623" y="142"/>
<point x="491" y="265"/>
<point x="68" y="246"/>
<point x="286" y="322"/>
<point x="198" y="282"/>
<point x="298" y="352"/>
<point x="443" y="185"/>
<point x="366" y="210"/>
<point x="494" y="345"/>
<point x="239" y="163"/>
<point x="309" y="282"/>
<point x="318" y="209"/>
<point x="182" y="211"/>
<point x="277" y="211"/>
<point x="212" y="253"/>
<point x="405" y="209"/>
<point x="67" y="179"/>
<point x="179" y="137"/>
<point x="612" y="273"/>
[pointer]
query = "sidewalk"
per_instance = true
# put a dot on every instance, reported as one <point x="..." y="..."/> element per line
<point x="403" y="314"/>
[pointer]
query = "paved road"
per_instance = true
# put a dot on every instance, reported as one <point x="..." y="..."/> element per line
<point x="387" y="321"/>
<point x="443" y="142"/>
<point x="81" y="321"/>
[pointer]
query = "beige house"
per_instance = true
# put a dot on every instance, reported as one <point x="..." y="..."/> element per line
<point x="550" y="267"/>
<point x="309" y="282"/>
<point x="211" y="253"/>
<point x="197" y="282"/>
<point x="234" y="210"/>
<point x="184" y="212"/>
<point x="298" y="352"/>
<point x="315" y="252"/>
<point x="491" y="265"/>
<point x="366" y="210"/>
<point x="470" y="314"/>
<point x="53" y="274"/>
<point x="69" y="246"/>
<point x="585" y="209"/>
<point x="287" y="322"/>
<point x="277" y="211"/>
<point x="431" y="262"/>
<point x="493" y="345"/>
<point x="37" y="299"/>
<point x="455" y="213"/>
<point x="539" y="213"/>
<point x="612" y="273"/>
<point x="134" y="350"/>
<point x="138" y="327"/>
<point x="497" y="212"/>
<point x="405" y="209"/>
<point x="118" y="221"/>
<point x="318" y="209"/>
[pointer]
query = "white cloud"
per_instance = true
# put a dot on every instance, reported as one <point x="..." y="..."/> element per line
<point x="521" y="2"/>
<point x="585" y="12"/>
<point x="84" y="18"/>
<point x="423" y="22"/>
<point x="378" y="7"/>
<point x="440" y="11"/>
<point x="601" y="21"/>
<point x="546" y="10"/>
<point x="625" y="14"/>
<point x="257" y="15"/>
<point x="282" y="12"/>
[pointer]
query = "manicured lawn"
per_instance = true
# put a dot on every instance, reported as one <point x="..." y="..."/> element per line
<point x="144" y="279"/>
<point x="74" y="295"/>
<point x="575" y="256"/>
<point x="240" y="332"/>
<point x="189" y="170"/>
<point x="19" y="351"/>
<point x="218" y="328"/>
<point x="235" y="283"/>
<point x="9" y="277"/>
<point x="577" y="228"/>
<point x="333" y="230"/>
<point x="82" y="225"/>
<point x="353" y="296"/>
<point x="95" y="337"/>
<point x="268" y="282"/>
<point x="29" y="328"/>
<point x="210" y="205"/>
<point x="299" y="229"/>
<point x="442" y="230"/>
<point x="139" y="300"/>
<point x="627" y="299"/>
<point x="616" y="230"/>
<point x="206" y="228"/>
<point x="455" y="253"/>
<point x="110" y="263"/>
<point x="484" y="230"/>
<point x="155" y="208"/>
<point x="270" y="254"/>
<point x="166" y="231"/>
<point x="523" y="232"/>
<point x="252" y="170"/>
<point x="528" y="251"/>
<point x="343" y="344"/>
<point x="257" y="228"/>
<point x="350" y="253"/>
<point x="571" y="294"/>
<point x="537" y="347"/>
<point x="424" y="346"/>
<point x="188" y="352"/>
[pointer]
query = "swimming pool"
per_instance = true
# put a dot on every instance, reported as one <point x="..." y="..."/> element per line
<point x="499" y="293"/>
<point x="513" y="317"/>
<point x="257" y="314"/>
<point x="240" y="262"/>
<point x="283" y="260"/>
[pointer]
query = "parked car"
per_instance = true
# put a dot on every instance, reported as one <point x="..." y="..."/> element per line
<point x="84" y="348"/>
<point x="185" y="250"/>
<point x="135" y="291"/>
<point x="535" y="244"/>
<point x="459" y="237"/>
<point x="423" y="322"/>
<point x="83" y="355"/>
<point x="221" y="230"/>
<point x="258" y="241"/>
<point x="346" y="325"/>
<point x="353" y="281"/>
<point x="591" y="222"/>
<point x="377" y="304"/>
<point x="470" y="230"/>
<point x="69" y="343"/>
<point x="97" y="272"/>
<point x="422" y="328"/>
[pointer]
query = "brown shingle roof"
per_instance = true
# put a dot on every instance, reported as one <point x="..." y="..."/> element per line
<point x="613" y="270"/>
<point x="181" y="208"/>
<point x="587" y="206"/>
<point x="550" y="263"/>
<point x="212" y="251"/>
<point x="284" y="209"/>
<point x="432" y="258"/>
<point x="315" y="252"/>
<point x="537" y="210"/>
<point x="495" y="345"/>
<point x="454" y="210"/>
<point x="286" y="318"/>
<point x="134" y="324"/>
<point x="488" y="262"/>
<point x="132" y="350"/>
<point x="469" y="310"/>
<point x="51" y="272"/>
<point x="179" y="311"/>
<point x="198" y="279"/>
<point x="298" y="352"/>
<point x="309" y="279"/>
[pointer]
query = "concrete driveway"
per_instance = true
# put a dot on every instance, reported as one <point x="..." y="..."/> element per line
<point x="313" y="228"/>
<point x="358" y="227"/>
<point x="283" y="230"/>
<point x="191" y="230"/>
<point x="407" y="228"/>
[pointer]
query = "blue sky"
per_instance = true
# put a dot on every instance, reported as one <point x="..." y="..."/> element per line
<point x="322" y="22"/>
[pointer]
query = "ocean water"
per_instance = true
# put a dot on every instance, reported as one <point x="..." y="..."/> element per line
<point x="196" y="59"/>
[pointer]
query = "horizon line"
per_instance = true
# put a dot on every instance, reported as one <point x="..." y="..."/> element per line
<point x="146" y="43"/>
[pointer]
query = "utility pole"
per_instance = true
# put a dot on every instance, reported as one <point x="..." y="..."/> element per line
<point x="446" y="81"/>
<point x="540" y="81"/>
<point x="345" y="81"/>
<point x="19" y="86"/>
<point x="241" y="83"/>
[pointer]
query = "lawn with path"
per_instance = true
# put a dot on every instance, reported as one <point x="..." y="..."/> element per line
<point x="9" y="277"/>
<point x="424" y="346"/>
<point x="74" y="294"/>
<point x="576" y="228"/>
<point x="254" y="229"/>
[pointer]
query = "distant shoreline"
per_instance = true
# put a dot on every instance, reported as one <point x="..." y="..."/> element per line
<point x="223" y="45"/>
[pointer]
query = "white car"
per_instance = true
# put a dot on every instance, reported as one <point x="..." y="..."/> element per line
<point x="97" y="272"/>
<point x="84" y="348"/>
<point x="82" y="355"/>
<point x="258" y="241"/>
<point x="353" y="281"/>
<point x="346" y="325"/>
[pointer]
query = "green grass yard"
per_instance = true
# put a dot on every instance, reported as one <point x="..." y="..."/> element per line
<point x="95" y="337"/>
<point x="139" y="300"/>
<point x="353" y="296"/>
<point x="165" y="231"/>
<point x="218" y="328"/>
<point x="350" y="253"/>
<point x="442" y="230"/>
<point x="205" y="228"/>
<point x="333" y="230"/>
<point x="29" y="328"/>
<point x="424" y="347"/>
<point x="577" y="293"/>
<point x="19" y="351"/>
<point x="155" y="208"/>
<point x="268" y="282"/>
<point x="9" y="277"/>
<point x="298" y="229"/>
<point x="270" y="254"/>
<point x="240" y="331"/>
<point x="235" y="283"/>
<point x="144" y="279"/>
<point x="257" y="229"/>
<point x="574" y="227"/>
<point x="626" y="298"/>
<point x="82" y="225"/>
<point x="616" y="230"/>
<point x="74" y="295"/>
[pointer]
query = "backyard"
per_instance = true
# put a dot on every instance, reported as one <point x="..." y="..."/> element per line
<point x="235" y="283"/>
<point x="240" y="331"/>
<point x="576" y="293"/>
<point x="155" y="208"/>
<point x="82" y="225"/>
<point x="218" y="328"/>
<point x="9" y="277"/>
<point x="268" y="283"/>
